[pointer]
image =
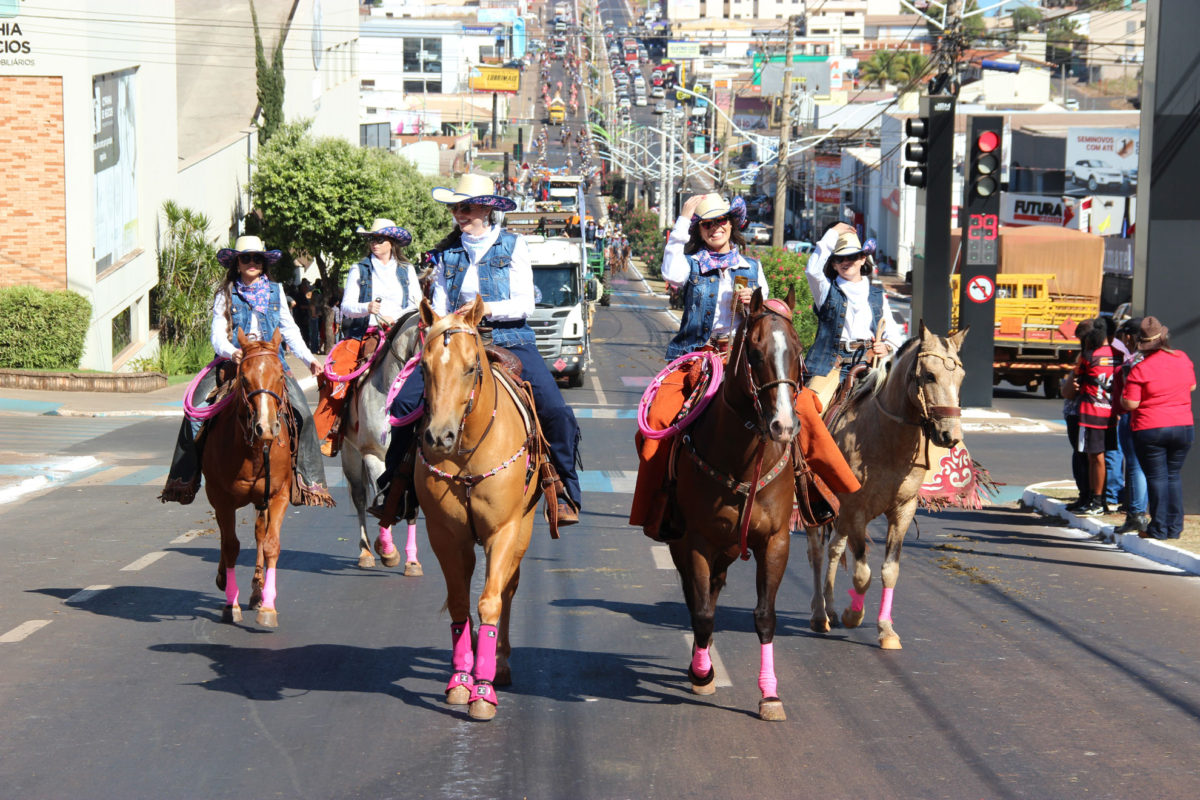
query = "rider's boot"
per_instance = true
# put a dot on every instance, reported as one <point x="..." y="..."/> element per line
<point x="397" y="500"/>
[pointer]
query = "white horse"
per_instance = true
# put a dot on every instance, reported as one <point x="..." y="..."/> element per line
<point x="366" y="435"/>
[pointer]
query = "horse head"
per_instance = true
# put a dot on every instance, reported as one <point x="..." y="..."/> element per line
<point x="933" y="388"/>
<point x="261" y="383"/>
<point x="767" y="363"/>
<point x="453" y="368"/>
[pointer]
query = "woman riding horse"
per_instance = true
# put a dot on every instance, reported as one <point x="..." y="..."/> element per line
<point x="381" y="285"/>
<point x="704" y="260"/>
<point x="249" y="301"/>
<point x="481" y="259"/>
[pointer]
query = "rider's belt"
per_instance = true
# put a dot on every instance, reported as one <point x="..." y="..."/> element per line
<point x="854" y="344"/>
<point x="720" y="343"/>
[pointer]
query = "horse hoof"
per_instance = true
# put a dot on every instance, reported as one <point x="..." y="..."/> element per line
<point x="231" y="614"/>
<point x="268" y="618"/>
<point x="390" y="559"/>
<point x="819" y="625"/>
<point x="481" y="710"/>
<point x="852" y="619"/>
<point x="703" y="684"/>
<point x="458" y="696"/>
<point x="365" y="559"/>
<point x="412" y="569"/>
<point x="890" y="642"/>
<point x="771" y="710"/>
<point x="704" y="688"/>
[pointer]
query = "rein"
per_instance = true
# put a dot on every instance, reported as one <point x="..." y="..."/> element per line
<point x="929" y="414"/>
<point x="282" y="409"/>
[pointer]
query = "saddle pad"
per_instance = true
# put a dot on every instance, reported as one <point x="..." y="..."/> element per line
<point x="517" y="394"/>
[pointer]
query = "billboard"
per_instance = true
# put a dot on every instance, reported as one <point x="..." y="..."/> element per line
<point x="1030" y="209"/>
<point x="683" y="49"/>
<point x="1102" y="159"/>
<point x="494" y="79"/>
<point x="827" y="170"/>
<point x="114" y="166"/>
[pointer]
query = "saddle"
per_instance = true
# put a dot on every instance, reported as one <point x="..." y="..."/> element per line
<point x="843" y="392"/>
<point x="504" y="357"/>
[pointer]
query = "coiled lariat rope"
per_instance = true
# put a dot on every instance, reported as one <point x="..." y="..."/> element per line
<point x="714" y="369"/>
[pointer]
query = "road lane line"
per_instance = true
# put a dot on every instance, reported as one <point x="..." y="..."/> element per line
<point x="720" y="676"/>
<point x="23" y="630"/>
<point x="662" y="556"/>
<point x="600" y="396"/>
<point x="84" y="595"/>
<point x="184" y="538"/>
<point x="143" y="562"/>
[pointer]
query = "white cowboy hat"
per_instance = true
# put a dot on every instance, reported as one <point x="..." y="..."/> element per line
<point x="385" y="227"/>
<point x="475" y="189"/>
<point x="247" y="245"/>
<point x="848" y="245"/>
<point x="711" y="207"/>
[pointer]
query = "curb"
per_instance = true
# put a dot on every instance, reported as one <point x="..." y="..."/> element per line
<point x="49" y="474"/>
<point x="1153" y="549"/>
<point x="306" y="384"/>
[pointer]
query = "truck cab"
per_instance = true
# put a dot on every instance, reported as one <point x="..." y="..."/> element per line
<point x="560" y="313"/>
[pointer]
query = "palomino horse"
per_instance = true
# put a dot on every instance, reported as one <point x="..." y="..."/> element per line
<point x="721" y="506"/>
<point x="474" y="483"/>
<point x="884" y="431"/>
<point x="365" y="442"/>
<point x="248" y="459"/>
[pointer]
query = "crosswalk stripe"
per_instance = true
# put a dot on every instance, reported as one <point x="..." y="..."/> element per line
<point x="84" y="595"/>
<point x="23" y="630"/>
<point x="143" y="562"/>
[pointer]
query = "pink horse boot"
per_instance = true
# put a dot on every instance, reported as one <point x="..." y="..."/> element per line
<point x="386" y="548"/>
<point x="770" y="707"/>
<point x="701" y="672"/>
<point x="267" y="616"/>
<point x="412" y="567"/>
<point x="483" y="696"/>
<point x="458" y="691"/>
<point x="888" y="638"/>
<point x="232" y="612"/>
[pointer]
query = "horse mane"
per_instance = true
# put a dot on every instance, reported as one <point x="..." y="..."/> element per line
<point x="876" y="378"/>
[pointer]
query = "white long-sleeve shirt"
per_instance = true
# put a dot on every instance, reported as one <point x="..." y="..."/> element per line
<point x="676" y="270"/>
<point x="224" y="346"/>
<point x="384" y="285"/>
<point x="520" y="302"/>
<point x="858" y="324"/>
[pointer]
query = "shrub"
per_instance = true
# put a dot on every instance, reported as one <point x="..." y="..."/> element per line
<point x="188" y="275"/>
<point x="41" y="329"/>
<point x="783" y="271"/>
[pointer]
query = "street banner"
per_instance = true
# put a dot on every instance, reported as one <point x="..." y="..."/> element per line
<point x="683" y="49"/>
<point x="494" y="79"/>
<point x="828" y="179"/>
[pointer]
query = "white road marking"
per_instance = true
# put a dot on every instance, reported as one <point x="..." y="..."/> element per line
<point x="599" y="391"/>
<point x="184" y="538"/>
<point x="720" y="676"/>
<point x="143" y="562"/>
<point x="662" y="556"/>
<point x="23" y="630"/>
<point x="87" y="594"/>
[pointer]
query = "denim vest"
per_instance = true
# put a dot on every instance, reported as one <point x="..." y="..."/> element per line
<point x="240" y="313"/>
<point x="493" y="285"/>
<point x="700" y="305"/>
<point x="831" y="320"/>
<point x="356" y="328"/>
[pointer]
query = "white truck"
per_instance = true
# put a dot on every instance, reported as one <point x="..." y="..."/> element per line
<point x="560" y="315"/>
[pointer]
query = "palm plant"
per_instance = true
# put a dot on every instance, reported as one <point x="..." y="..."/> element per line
<point x="188" y="273"/>
<point x="879" y="69"/>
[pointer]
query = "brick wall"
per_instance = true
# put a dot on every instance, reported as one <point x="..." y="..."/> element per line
<point x="33" y="215"/>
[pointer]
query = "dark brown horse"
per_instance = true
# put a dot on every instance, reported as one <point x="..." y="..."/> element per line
<point x="248" y="459"/>
<point x="735" y="462"/>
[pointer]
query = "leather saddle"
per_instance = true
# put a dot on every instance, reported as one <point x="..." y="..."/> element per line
<point x="505" y="358"/>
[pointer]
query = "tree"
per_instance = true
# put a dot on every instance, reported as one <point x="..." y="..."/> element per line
<point x="270" y="81"/>
<point x="1062" y="37"/>
<point x="879" y="69"/>
<point x="909" y="67"/>
<point x="1025" y="18"/>
<point x="313" y="193"/>
<point x="188" y="274"/>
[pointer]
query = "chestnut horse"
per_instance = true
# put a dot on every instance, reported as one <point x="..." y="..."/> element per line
<point x="475" y="485"/>
<point x="248" y="459"/>
<point x="884" y="431"/>
<point x="737" y="462"/>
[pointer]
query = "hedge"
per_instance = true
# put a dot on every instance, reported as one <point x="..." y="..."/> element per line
<point x="784" y="270"/>
<point x="42" y="330"/>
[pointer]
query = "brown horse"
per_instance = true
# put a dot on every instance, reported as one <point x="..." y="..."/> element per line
<point x="738" y="464"/>
<point x="475" y="485"/>
<point x="884" y="431"/>
<point x="248" y="459"/>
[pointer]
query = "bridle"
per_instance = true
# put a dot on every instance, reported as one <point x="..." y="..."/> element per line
<point x="929" y="414"/>
<point x="281" y="409"/>
<point x="752" y="387"/>
<point x="476" y="384"/>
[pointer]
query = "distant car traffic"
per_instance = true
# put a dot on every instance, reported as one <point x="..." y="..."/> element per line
<point x="797" y="246"/>
<point x="660" y="107"/>
<point x="758" y="233"/>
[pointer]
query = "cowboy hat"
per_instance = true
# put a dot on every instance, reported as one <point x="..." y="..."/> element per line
<point x="1151" y="333"/>
<point x="386" y="228"/>
<point x="848" y="245"/>
<point x="247" y="245"/>
<point x="714" y="206"/>
<point x="475" y="189"/>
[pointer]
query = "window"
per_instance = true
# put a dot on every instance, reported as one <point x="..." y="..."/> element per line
<point x="420" y="87"/>
<point x="367" y="83"/>
<point x="122" y="330"/>
<point x="423" y="55"/>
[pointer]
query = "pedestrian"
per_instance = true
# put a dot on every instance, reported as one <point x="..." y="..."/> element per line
<point x="1093" y="377"/>
<point x="1137" y="517"/>
<point x="249" y="301"/>
<point x="479" y="258"/>
<point x="853" y="314"/>
<point x="1114" y="463"/>
<point x="380" y="289"/>
<point x="1157" y="393"/>
<point x="1070" y="410"/>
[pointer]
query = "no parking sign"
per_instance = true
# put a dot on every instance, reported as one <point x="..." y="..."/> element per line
<point x="980" y="289"/>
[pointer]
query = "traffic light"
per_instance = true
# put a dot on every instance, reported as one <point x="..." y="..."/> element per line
<point x="917" y="151"/>
<point x="982" y="184"/>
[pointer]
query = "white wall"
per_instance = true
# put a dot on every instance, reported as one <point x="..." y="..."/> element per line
<point x="217" y="184"/>
<point x="324" y="31"/>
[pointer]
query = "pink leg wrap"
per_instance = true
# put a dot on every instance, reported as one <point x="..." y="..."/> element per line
<point x="269" y="588"/>
<point x="460" y="639"/>
<point x="766" y="671"/>
<point x="485" y="653"/>
<point x="231" y="590"/>
<point x="410" y="546"/>
<point x="386" y="545"/>
<point x="885" y="605"/>
<point x="701" y="663"/>
<point x="856" y="600"/>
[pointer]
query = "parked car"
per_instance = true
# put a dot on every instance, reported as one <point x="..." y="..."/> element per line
<point x="797" y="246"/>
<point x="1092" y="172"/>
<point x="758" y="233"/>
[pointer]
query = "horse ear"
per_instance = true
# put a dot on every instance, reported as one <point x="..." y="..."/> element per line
<point x="242" y="341"/>
<point x="756" y="301"/>
<point x="790" y="300"/>
<point x="475" y="311"/>
<point x="922" y="331"/>
<point x="957" y="338"/>
<point x="428" y="317"/>
<point x="277" y="339"/>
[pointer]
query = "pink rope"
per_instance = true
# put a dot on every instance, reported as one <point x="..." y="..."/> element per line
<point x="396" y="386"/>
<point x="333" y="376"/>
<point x="204" y="412"/>
<point x="716" y="370"/>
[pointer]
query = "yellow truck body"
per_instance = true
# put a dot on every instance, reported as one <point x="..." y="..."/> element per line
<point x="557" y="111"/>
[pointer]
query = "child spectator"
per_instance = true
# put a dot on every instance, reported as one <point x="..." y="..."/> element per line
<point x="1093" y="380"/>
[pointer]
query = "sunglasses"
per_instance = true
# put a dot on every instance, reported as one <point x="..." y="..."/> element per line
<point x="462" y="208"/>
<point x="376" y="239"/>
<point x="713" y="223"/>
<point x="251" y="259"/>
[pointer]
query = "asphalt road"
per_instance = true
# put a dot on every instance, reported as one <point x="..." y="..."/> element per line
<point x="1035" y="664"/>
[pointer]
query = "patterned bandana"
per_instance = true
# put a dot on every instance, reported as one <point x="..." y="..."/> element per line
<point x="257" y="294"/>
<point x="709" y="261"/>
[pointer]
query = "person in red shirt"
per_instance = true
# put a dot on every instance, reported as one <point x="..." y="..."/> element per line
<point x="1097" y="432"/>
<point x="1158" y="395"/>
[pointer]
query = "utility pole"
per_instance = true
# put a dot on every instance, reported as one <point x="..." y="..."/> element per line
<point x="668" y="163"/>
<point x="785" y="133"/>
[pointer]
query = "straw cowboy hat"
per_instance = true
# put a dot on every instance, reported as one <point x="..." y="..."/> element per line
<point x="386" y="228"/>
<point x="247" y="245"/>
<point x="475" y="189"/>
<point x="848" y="244"/>
<point x="714" y="206"/>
